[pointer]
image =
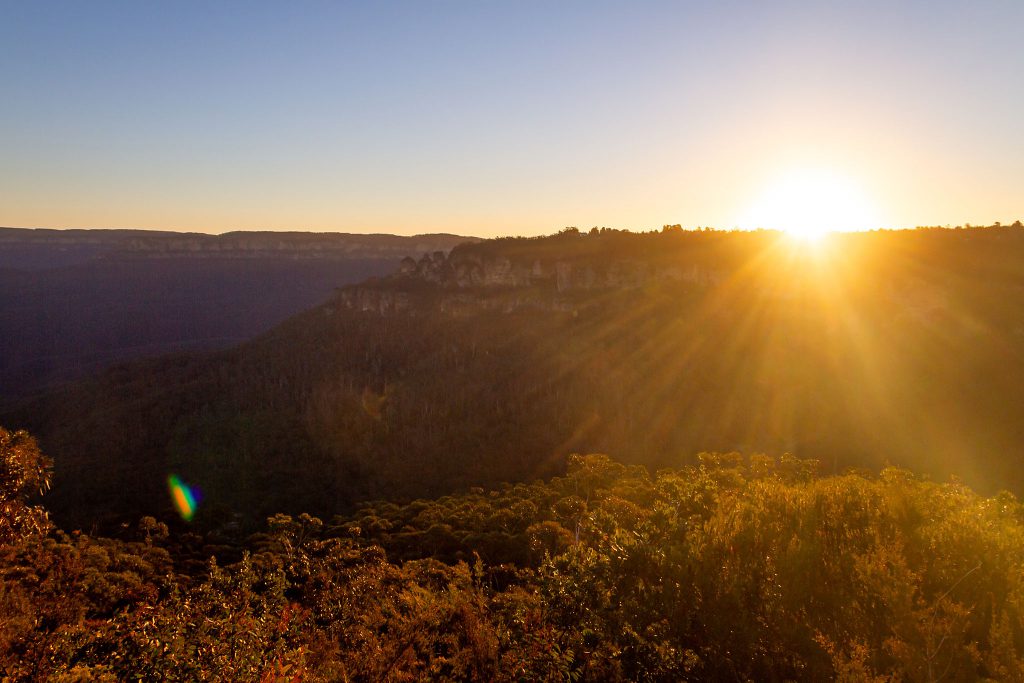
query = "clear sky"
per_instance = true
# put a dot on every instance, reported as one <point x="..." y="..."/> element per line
<point x="502" y="118"/>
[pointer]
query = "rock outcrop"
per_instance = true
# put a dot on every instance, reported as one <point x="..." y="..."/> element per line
<point x="462" y="270"/>
<point x="468" y="280"/>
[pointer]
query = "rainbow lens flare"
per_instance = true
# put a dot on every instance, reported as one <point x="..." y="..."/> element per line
<point x="184" y="497"/>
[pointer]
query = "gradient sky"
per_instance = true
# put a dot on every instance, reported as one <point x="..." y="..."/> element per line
<point x="501" y="118"/>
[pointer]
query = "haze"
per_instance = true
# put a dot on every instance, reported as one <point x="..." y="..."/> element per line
<point x="519" y="118"/>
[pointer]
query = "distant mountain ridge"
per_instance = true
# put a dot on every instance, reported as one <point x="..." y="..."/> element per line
<point x="74" y="301"/>
<point x="47" y="248"/>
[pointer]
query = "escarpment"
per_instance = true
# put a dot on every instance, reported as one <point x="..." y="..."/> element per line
<point x="481" y="277"/>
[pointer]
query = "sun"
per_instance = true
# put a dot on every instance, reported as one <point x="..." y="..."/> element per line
<point x="808" y="204"/>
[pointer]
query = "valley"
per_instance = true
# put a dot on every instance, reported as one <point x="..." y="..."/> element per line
<point x="497" y="361"/>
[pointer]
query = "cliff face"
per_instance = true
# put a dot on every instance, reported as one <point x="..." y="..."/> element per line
<point x="563" y="273"/>
<point x="462" y="269"/>
<point x="464" y="281"/>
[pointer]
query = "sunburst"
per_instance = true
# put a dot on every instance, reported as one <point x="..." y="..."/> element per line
<point x="810" y="203"/>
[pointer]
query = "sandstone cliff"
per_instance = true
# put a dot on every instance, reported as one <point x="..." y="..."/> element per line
<point x="470" y="279"/>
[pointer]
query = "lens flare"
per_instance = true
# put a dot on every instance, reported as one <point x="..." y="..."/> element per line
<point x="184" y="497"/>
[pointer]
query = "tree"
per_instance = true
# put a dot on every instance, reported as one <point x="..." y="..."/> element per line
<point x="24" y="470"/>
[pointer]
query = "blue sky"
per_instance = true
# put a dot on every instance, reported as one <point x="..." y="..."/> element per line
<point x="501" y="118"/>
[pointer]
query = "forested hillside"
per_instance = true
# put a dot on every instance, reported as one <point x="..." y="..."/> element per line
<point x="732" y="569"/>
<point x="494" y="362"/>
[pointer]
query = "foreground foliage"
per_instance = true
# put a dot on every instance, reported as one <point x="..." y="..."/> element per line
<point x="734" y="569"/>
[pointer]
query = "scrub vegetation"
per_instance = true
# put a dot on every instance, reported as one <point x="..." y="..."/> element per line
<point x="732" y="569"/>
